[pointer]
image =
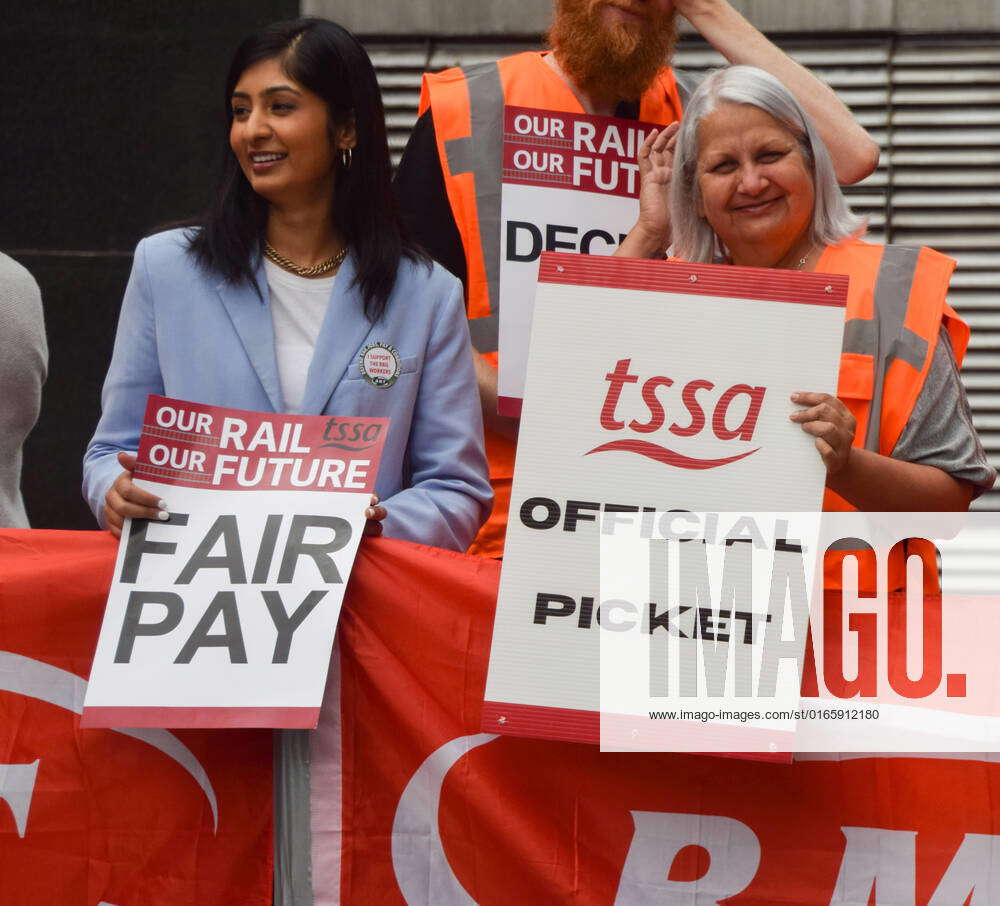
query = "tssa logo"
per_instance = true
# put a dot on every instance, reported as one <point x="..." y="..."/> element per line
<point x="346" y="434"/>
<point x="749" y="398"/>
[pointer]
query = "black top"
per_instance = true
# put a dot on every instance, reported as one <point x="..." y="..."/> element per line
<point x="423" y="200"/>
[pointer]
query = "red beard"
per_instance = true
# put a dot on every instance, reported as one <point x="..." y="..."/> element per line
<point x="616" y="61"/>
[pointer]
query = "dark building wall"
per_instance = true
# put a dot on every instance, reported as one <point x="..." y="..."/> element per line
<point x="113" y="123"/>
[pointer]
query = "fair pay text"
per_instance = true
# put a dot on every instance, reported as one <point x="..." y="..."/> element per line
<point x="251" y="578"/>
<point x="251" y="546"/>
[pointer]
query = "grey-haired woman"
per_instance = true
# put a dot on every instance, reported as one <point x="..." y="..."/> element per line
<point x="747" y="181"/>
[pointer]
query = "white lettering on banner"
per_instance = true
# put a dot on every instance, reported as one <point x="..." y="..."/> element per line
<point x="35" y="679"/>
<point x="883" y="859"/>
<point x="418" y="859"/>
<point x="973" y="870"/>
<point x="886" y="861"/>
<point x="873" y="857"/>
<point x="17" y="784"/>
<point x="733" y="849"/>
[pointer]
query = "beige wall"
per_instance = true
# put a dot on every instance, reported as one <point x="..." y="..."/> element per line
<point x="466" y="18"/>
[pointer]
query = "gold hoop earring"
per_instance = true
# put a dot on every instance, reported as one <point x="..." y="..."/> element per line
<point x="345" y="158"/>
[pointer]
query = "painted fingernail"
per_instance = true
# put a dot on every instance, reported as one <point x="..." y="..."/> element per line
<point x="162" y="504"/>
<point x="369" y="513"/>
<point x="163" y="515"/>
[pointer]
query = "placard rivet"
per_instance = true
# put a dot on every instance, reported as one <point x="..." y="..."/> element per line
<point x="560" y="268"/>
<point x="693" y="278"/>
<point x="828" y="289"/>
<point x="501" y="720"/>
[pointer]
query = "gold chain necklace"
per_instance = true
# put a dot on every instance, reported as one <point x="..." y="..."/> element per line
<point x="804" y="259"/>
<point x="317" y="270"/>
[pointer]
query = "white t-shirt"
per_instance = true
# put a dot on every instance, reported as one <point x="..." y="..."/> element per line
<point x="298" y="306"/>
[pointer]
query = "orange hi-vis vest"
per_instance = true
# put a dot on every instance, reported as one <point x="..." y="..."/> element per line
<point x="896" y="306"/>
<point x="467" y="108"/>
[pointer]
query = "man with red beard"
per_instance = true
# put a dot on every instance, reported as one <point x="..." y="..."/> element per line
<point x="609" y="58"/>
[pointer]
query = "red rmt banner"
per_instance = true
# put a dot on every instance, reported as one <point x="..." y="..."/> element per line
<point x="428" y="809"/>
<point x="119" y="817"/>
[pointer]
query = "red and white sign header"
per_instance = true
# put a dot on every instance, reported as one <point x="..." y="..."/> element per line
<point x="199" y="446"/>
<point x="573" y="151"/>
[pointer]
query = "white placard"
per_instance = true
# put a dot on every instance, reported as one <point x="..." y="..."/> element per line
<point x="570" y="183"/>
<point x="652" y="386"/>
<point x="224" y="614"/>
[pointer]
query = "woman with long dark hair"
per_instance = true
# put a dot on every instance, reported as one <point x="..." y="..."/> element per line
<point x="299" y="266"/>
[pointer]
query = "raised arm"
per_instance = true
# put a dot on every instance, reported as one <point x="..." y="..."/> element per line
<point x="650" y="236"/>
<point x="854" y="153"/>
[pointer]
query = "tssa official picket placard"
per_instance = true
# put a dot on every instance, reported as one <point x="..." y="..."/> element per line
<point x="570" y="183"/>
<point x="224" y="614"/>
<point x="653" y="386"/>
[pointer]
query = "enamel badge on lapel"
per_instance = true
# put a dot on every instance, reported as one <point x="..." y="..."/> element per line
<point x="379" y="364"/>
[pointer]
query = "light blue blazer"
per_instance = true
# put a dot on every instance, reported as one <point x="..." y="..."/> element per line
<point x="188" y="334"/>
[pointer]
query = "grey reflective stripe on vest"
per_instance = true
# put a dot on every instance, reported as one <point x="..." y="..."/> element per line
<point x="481" y="154"/>
<point x="687" y="82"/>
<point x="292" y="828"/>
<point x="885" y="338"/>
